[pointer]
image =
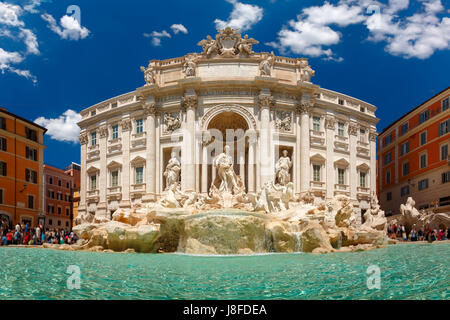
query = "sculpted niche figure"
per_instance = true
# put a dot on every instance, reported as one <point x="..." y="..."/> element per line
<point x="226" y="181"/>
<point x="172" y="172"/>
<point x="283" y="167"/>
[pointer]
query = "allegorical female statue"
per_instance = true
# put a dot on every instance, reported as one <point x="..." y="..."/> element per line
<point x="172" y="172"/>
<point x="284" y="165"/>
<point x="226" y="180"/>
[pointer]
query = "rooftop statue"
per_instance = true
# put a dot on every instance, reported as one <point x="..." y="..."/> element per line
<point x="228" y="43"/>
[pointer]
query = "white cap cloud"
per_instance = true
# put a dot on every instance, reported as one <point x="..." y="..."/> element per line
<point x="243" y="16"/>
<point x="156" y="37"/>
<point x="64" y="128"/>
<point x="177" y="28"/>
<point x="70" y="28"/>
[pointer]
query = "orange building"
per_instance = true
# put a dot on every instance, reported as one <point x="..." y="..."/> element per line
<point x="59" y="188"/>
<point x="413" y="158"/>
<point x="21" y="170"/>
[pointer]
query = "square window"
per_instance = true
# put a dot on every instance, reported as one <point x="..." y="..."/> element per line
<point x="93" y="139"/>
<point x="423" y="138"/>
<point x="362" y="179"/>
<point x="405" y="168"/>
<point x="139" y="175"/>
<point x="404" y="191"/>
<point x="93" y="182"/>
<point x="404" y="149"/>
<point x="341" y="129"/>
<point x="3" y="143"/>
<point x="444" y="152"/>
<point x="115" y="132"/>
<point x="423" y="161"/>
<point x="423" y="184"/>
<point x="316" y="123"/>
<point x="444" y="127"/>
<point x="445" y="104"/>
<point x="404" y="129"/>
<point x="114" y="178"/>
<point x="30" y="202"/>
<point x="341" y="176"/>
<point x="139" y="126"/>
<point x="316" y="173"/>
<point x="424" y="116"/>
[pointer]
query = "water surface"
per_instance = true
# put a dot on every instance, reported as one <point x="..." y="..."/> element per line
<point x="410" y="271"/>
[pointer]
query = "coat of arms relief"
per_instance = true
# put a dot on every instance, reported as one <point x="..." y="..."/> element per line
<point x="228" y="43"/>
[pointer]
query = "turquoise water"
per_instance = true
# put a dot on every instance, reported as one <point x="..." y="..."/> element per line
<point x="412" y="271"/>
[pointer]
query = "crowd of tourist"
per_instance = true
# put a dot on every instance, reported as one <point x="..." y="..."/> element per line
<point x="23" y="234"/>
<point x="420" y="234"/>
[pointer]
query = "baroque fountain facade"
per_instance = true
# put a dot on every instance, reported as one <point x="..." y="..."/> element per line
<point x="229" y="151"/>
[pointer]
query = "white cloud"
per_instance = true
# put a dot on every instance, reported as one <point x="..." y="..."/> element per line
<point x="9" y="14"/>
<point x="7" y="58"/>
<point x="64" y="128"/>
<point x="415" y="36"/>
<point x="70" y="28"/>
<point x="243" y="16"/>
<point x="31" y="7"/>
<point x="177" y="28"/>
<point x="156" y="37"/>
<point x="30" y="40"/>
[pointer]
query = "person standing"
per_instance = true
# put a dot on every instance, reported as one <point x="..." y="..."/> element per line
<point x="38" y="234"/>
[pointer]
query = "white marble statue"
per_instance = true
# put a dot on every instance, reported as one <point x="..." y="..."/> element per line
<point x="190" y="65"/>
<point x="210" y="46"/>
<point x="266" y="66"/>
<point x="283" y="166"/>
<point x="226" y="181"/>
<point x="306" y="73"/>
<point x="244" y="45"/>
<point x="149" y="75"/>
<point x="172" y="172"/>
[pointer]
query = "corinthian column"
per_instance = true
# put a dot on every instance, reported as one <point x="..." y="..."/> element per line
<point x="83" y="180"/>
<point x="373" y="161"/>
<point x="188" y="152"/>
<point x="353" y="132"/>
<point x="305" y="171"/>
<point x="330" y="124"/>
<point x="265" y="103"/>
<point x="150" y="112"/>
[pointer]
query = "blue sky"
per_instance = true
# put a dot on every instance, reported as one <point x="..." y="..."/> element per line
<point x="391" y="53"/>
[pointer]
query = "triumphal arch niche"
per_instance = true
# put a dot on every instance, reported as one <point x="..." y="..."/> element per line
<point x="227" y="120"/>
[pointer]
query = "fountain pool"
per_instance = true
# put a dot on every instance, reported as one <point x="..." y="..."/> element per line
<point x="409" y="271"/>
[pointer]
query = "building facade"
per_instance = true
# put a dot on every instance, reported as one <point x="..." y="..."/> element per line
<point x="413" y="158"/>
<point x="21" y="170"/>
<point x="59" y="189"/>
<point x="192" y="106"/>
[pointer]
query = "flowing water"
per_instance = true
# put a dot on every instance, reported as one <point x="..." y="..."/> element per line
<point x="410" y="271"/>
